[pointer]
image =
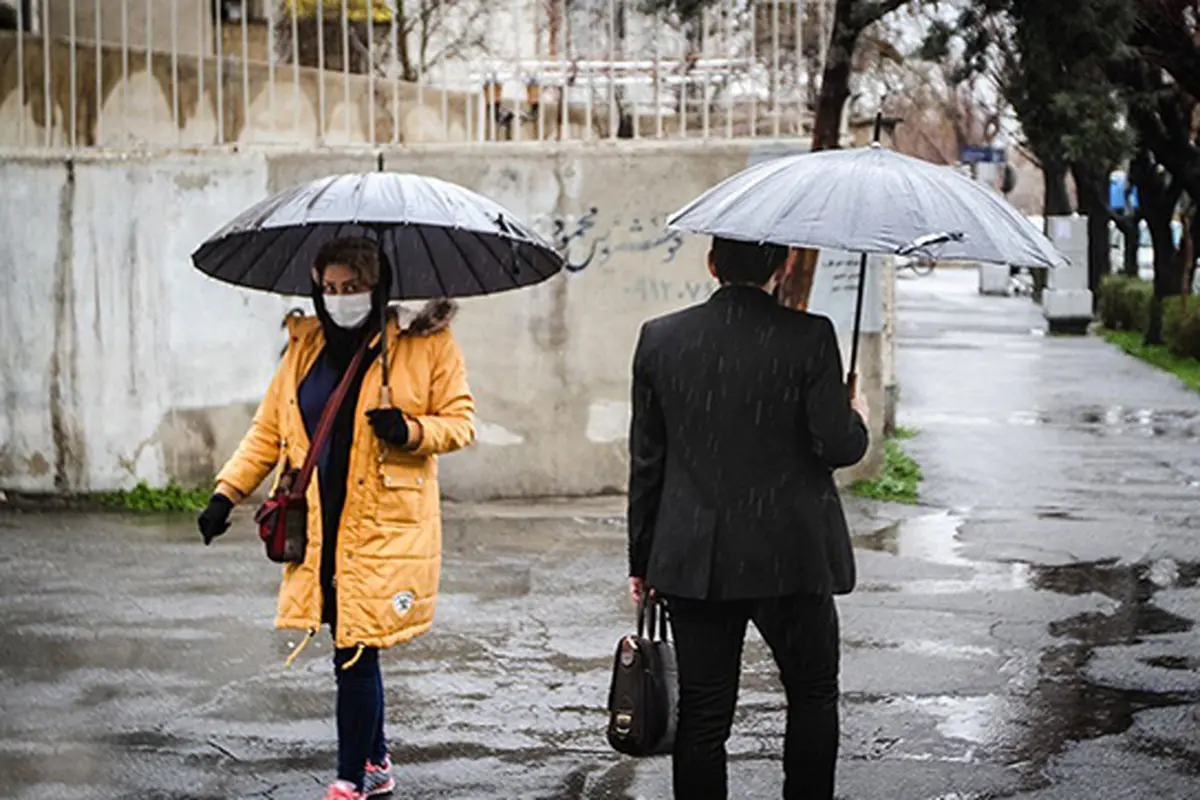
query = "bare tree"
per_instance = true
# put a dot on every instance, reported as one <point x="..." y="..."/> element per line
<point x="418" y="34"/>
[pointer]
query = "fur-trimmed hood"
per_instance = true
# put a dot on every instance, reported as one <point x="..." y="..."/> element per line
<point x="433" y="317"/>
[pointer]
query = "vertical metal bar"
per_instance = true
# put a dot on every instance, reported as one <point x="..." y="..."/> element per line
<point x="421" y="68"/>
<point x="295" y="66"/>
<point x="149" y="39"/>
<point x="73" y="125"/>
<point x="201" y="52"/>
<point x="394" y="73"/>
<point x="775" y="111"/>
<point x="220" y="78"/>
<point x="541" y="114"/>
<point x="468" y="120"/>
<point x="754" y="69"/>
<point x="46" y="95"/>
<point x="587" y="110"/>
<point x="174" y="69"/>
<point x="685" y="81"/>
<point x="246" y="121"/>
<point x="371" y="71"/>
<point x="658" y="115"/>
<point x="612" y="73"/>
<point x="798" y="10"/>
<point x="272" y="10"/>
<point x="321" y="71"/>
<point x="21" y="71"/>
<point x="98" y="33"/>
<point x="729" y="70"/>
<point x="707" y="85"/>
<point x="564" y="131"/>
<point x="346" y="67"/>
<point x="445" y="97"/>
<point x="125" y="65"/>
<point x="517" y="126"/>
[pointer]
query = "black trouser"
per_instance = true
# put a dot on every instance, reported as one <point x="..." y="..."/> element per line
<point x="802" y="632"/>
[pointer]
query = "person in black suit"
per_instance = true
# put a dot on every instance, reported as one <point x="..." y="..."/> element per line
<point x="740" y="417"/>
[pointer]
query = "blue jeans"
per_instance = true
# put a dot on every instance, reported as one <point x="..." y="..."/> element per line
<point x="359" y="713"/>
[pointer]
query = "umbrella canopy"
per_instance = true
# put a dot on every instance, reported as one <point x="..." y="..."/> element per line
<point x="868" y="200"/>
<point x="441" y="239"/>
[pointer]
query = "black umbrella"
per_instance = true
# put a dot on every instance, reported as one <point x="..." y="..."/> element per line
<point x="437" y="238"/>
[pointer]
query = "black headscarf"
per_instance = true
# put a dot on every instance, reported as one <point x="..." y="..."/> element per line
<point x="341" y="343"/>
<point x="334" y="476"/>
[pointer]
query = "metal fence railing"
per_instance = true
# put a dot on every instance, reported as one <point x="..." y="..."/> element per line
<point x="194" y="73"/>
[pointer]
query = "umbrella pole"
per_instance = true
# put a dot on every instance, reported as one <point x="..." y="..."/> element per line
<point x="852" y="376"/>
<point x="385" y="391"/>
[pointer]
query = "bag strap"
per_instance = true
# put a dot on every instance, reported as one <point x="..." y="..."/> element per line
<point x="325" y="426"/>
<point x="652" y="618"/>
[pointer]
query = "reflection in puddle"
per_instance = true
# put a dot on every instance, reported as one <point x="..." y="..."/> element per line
<point x="1058" y="704"/>
<point x="1097" y="420"/>
<point x="933" y="538"/>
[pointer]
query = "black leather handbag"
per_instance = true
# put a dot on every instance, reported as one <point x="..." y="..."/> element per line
<point x="643" y="698"/>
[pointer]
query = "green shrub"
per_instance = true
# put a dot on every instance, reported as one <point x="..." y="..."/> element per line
<point x="901" y="475"/>
<point x="1181" y="330"/>
<point x="1124" y="303"/>
<point x="146" y="498"/>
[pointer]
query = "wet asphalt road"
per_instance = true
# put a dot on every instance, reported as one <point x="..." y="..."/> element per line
<point x="1030" y="631"/>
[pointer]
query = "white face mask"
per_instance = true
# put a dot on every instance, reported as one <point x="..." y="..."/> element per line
<point x="348" y="310"/>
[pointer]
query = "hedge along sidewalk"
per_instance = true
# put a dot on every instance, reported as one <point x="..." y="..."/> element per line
<point x="1124" y="307"/>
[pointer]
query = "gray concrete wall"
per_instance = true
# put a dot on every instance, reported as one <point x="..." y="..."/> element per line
<point x="120" y="362"/>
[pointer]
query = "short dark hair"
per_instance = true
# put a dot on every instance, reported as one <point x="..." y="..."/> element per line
<point x="746" y="262"/>
<point x="358" y="253"/>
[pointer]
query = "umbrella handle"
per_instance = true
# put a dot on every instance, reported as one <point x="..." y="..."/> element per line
<point x="385" y="396"/>
<point x="852" y="384"/>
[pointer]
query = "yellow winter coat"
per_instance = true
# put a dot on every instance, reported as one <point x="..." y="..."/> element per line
<point x="390" y="541"/>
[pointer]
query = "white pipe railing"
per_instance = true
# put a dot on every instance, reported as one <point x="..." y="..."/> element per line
<point x="485" y="71"/>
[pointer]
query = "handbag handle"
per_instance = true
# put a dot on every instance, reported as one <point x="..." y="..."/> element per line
<point x="652" y="617"/>
<point x="325" y="425"/>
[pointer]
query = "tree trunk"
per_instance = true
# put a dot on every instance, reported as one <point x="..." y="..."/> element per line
<point x="1131" y="231"/>
<point x="835" y="82"/>
<point x="1091" y="186"/>
<point x="1057" y="202"/>
<point x="1166" y="265"/>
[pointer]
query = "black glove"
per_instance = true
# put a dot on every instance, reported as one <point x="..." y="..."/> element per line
<point x="214" y="519"/>
<point x="389" y="425"/>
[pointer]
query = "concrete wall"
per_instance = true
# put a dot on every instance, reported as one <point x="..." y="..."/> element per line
<point x="119" y="362"/>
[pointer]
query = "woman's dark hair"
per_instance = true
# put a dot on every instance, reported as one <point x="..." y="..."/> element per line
<point x="746" y="262"/>
<point x="359" y="254"/>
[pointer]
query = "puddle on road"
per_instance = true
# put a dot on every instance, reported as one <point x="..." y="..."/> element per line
<point x="1117" y="421"/>
<point x="1060" y="706"/>
<point x="934" y="538"/>
<point x="1096" y="420"/>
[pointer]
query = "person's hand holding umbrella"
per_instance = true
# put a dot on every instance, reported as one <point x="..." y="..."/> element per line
<point x="391" y="426"/>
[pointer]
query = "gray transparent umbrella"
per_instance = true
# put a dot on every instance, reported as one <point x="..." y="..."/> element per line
<point x="868" y="200"/>
<point x="436" y="239"/>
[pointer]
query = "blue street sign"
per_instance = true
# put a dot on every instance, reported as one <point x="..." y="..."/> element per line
<point x="981" y="155"/>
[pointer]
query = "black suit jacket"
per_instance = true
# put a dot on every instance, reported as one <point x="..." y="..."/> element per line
<point x="740" y="416"/>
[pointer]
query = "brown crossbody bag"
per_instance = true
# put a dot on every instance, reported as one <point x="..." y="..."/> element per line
<point x="283" y="518"/>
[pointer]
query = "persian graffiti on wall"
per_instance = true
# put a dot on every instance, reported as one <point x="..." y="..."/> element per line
<point x="590" y="241"/>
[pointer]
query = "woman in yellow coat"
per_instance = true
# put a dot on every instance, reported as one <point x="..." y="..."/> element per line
<point x="373" y="557"/>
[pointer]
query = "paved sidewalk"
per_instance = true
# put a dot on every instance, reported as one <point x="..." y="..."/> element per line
<point x="1028" y="632"/>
